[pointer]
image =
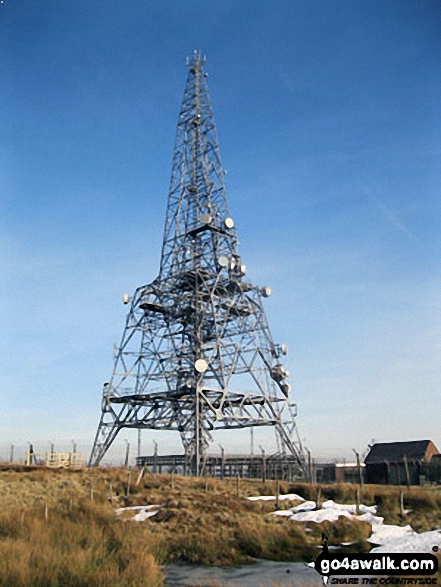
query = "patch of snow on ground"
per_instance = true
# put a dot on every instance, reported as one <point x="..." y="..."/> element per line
<point x="290" y="496"/>
<point x="331" y="511"/>
<point x="351" y="508"/>
<point x="386" y="533"/>
<point x="405" y="541"/>
<point x="306" y="506"/>
<point x="141" y="516"/>
<point x="389" y="538"/>
<point x="319" y="516"/>
<point x="143" y="512"/>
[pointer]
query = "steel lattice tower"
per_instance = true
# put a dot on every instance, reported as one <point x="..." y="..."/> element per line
<point x="197" y="353"/>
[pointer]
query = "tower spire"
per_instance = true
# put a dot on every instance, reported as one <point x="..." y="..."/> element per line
<point x="197" y="353"/>
<point x="197" y="185"/>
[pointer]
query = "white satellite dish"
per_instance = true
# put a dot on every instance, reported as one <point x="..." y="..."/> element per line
<point x="206" y="218"/>
<point x="266" y="292"/>
<point x="229" y="222"/>
<point x="284" y="349"/>
<point x="126" y="298"/>
<point x="223" y="261"/>
<point x="201" y="365"/>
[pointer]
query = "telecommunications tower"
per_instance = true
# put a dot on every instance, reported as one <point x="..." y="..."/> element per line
<point x="197" y="353"/>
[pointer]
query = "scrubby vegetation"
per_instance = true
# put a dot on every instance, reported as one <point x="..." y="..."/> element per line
<point x="82" y="547"/>
<point x="58" y="528"/>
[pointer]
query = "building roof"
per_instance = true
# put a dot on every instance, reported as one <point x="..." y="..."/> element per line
<point x="395" y="451"/>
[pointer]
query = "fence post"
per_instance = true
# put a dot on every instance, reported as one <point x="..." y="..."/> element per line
<point x="401" y="503"/>
<point x="126" y="460"/>
<point x="140" y="476"/>
<point x="311" y="480"/>
<point x="263" y="465"/>
<point x="155" y="457"/>
<point x="359" y="469"/>
<point x="129" y="478"/>
<point x="319" y="498"/>
<point x="277" y="493"/>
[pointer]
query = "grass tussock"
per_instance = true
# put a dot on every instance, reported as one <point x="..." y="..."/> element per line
<point x="81" y="548"/>
<point x="204" y="521"/>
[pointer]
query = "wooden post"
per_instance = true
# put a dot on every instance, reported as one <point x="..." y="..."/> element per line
<point x="311" y="480"/>
<point x="222" y="463"/>
<point x="155" y="457"/>
<point x="69" y="506"/>
<point x="357" y="501"/>
<point x="277" y="493"/>
<point x="91" y="493"/>
<point x="406" y="469"/>
<point x="140" y="476"/>
<point x="173" y="479"/>
<point x="126" y="460"/>
<point x="139" y="442"/>
<point x="110" y="493"/>
<point x="401" y="503"/>
<point x="206" y="485"/>
<point x="238" y="484"/>
<point x="11" y="455"/>
<point x="319" y="498"/>
<point x="359" y="469"/>
<point x="129" y="478"/>
<point x="46" y="512"/>
<point x="263" y="465"/>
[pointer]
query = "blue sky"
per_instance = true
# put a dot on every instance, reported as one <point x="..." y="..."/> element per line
<point x="329" y="123"/>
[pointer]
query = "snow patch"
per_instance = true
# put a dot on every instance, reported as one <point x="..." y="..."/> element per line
<point x="290" y="496"/>
<point x="330" y="512"/>
<point x="388" y="538"/>
<point x="143" y="512"/>
<point x="397" y="539"/>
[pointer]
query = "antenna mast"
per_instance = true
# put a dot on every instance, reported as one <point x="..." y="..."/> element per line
<point x="197" y="353"/>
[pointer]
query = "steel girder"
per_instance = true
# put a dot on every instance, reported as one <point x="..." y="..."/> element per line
<point x="197" y="353"/>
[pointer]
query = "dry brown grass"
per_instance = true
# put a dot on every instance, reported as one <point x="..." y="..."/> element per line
<point x="81" y="548"/>
<point x="203" y="521"/>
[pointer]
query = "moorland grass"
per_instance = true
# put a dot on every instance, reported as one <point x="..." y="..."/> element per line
<point x="82" y="547"/>
<point x="58" y="528"/>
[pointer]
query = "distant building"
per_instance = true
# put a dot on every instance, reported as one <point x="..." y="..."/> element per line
<point x="397" y="463"/>
<point x="339" y="472"/>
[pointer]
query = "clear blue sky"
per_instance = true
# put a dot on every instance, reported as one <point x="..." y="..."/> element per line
<point x="328" y="114"/>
